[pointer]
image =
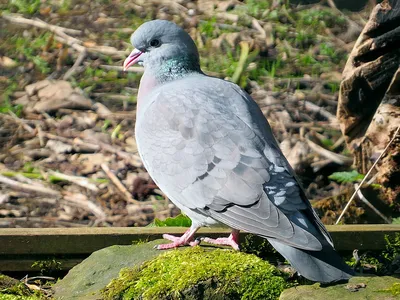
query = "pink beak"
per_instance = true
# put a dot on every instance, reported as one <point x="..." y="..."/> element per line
<point x="132" y="58"/>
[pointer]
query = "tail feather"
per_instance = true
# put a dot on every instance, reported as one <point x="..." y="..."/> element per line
<point x="323" y="266"/>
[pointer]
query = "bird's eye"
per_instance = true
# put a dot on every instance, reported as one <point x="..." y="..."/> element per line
<point x="155" y="43"/>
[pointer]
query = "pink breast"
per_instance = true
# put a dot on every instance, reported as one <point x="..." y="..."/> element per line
<point x="147" y="83"/>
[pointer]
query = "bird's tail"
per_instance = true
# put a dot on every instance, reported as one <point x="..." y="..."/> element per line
<point x="323" y="266"/>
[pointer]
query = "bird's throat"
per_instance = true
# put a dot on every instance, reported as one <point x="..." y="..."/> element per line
<point x="176" y="68"/>
<point x="156" y="74"/>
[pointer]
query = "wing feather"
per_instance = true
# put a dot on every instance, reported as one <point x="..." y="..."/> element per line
<point x="211" y="150"/>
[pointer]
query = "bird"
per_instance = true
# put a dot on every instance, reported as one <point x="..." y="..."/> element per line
<point x="207" y="145"/>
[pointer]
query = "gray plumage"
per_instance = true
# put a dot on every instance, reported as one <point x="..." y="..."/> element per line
<point x="207" y="145"/>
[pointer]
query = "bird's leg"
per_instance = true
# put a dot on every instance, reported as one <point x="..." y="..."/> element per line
<point x="232" y="240"/>
<point x="185" y="239"/>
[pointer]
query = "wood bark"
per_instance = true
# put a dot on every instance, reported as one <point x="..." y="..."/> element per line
<point x="369" y="99"/>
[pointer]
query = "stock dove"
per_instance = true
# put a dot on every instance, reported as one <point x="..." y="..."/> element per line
<point x="207" y="145"/>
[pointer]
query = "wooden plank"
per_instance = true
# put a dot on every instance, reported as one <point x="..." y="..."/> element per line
<point x="21" y="247"/>
<point x="361" y="237"/>
<point x="62" y="241"/>
<point x="56" y="241"/>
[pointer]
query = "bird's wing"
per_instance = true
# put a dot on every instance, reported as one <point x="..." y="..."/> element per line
<point x="209" y="148"/>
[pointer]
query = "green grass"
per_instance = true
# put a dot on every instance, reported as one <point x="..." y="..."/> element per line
<point x="319" y="19"/>
<point x="28" y="7"/>
<point x="5" y="103"/>
<point x="333" y="86"/>
<point x="47" y="266"/>
<point x="208" y="27"/>
<point x="65" y="6"/>
<point x="306" y="35"/>
<point x="256" y="8"/>
<point x="31" y="50"/>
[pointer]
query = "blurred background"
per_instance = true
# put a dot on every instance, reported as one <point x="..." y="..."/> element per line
<point x="68" y="156"/>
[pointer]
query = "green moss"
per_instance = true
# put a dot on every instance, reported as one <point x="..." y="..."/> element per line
<point x="12" y="289"/>
<point x="17" y="297"/>
<point x="234" y="274"/>
<point x="140" y="242"/>
<point x="394" y="289"/>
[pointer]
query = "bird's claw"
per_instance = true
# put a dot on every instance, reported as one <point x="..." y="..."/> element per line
<point x="222" y="242"/>
<point x="177" y="242"/>
<point x="232" y="240"/>
<point x="188" y="239"/>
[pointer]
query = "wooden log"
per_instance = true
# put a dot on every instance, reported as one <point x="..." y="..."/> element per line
<point x="369" y="98"/>
<point x="20" y="247"/>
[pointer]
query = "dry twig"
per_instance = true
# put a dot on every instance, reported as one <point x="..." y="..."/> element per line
<point x="337" y="158"/>
<point x="79" y="180"/>
<point x="81" y="201"/>
<point x="366" y="176"/>
<point x="61" y="35"/>
<point x="18" y="19"/>
<point x="315" y="108"/>
<point x="29" y="188"/>
<point x="73" y="69"/>
<point x="119" y="185"/>
<point x="134" y="160"/>
<point x="23" y="124"/>
<point x="369" y="204"/>
<point x="120" y="68"/>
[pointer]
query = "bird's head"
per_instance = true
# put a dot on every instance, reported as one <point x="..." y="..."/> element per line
<point x="159" y="41"/>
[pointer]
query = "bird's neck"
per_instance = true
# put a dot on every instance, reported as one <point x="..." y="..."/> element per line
<point x="158" y="73"/>
<point x="176" y="68"/>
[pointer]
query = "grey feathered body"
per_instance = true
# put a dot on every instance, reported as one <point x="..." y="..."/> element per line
<point x="208" y="146"/>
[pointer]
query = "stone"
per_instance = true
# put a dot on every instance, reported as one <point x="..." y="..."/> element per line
<point x="371" y="288"/>
<point x="86" y="280"/>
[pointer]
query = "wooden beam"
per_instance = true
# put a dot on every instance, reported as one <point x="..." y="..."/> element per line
<point x="50" y="241"/>
<point x="55" y="241"/>
<point x="19" y="247"/>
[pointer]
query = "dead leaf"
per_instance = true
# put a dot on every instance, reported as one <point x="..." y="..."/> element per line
<point x="7" y="62"/>
<point x="89" y="44"/>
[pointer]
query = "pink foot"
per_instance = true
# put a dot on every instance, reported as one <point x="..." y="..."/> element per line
<point x="185" y="239"/>
<point x="232" y="240"/>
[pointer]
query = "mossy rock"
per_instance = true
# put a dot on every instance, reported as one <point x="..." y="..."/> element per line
<point x="371" y="288"/>
<point x="85" y="281"/>
<point x="198" y="273"/>
<point x="12" y="289"/>
<point x="141" y="272"/>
